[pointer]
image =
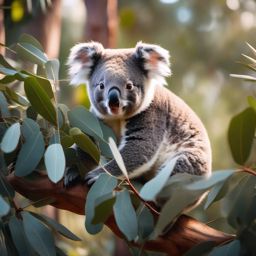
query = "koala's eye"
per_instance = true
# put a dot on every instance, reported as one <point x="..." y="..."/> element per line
<point x="129" y="86"/>
<point x="101" y="86"/>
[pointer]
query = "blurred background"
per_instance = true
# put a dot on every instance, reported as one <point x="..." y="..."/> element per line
<point x="205" y="40"/>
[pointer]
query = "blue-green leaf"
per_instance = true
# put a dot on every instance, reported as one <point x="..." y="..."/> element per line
<point x="125" y="215"/>
<point x="32" y="150"/>
<point x="215" y="178"/>
<point x="11" y="138"/>
<point x="241" y="133"/>
<point x="31" y="53"/>
<point x="105" y="184"/>
<point x="4" y="207"/>
<point x="230" y="249"/>
<point x="26" y="38"/>
<point x="83" y="119"/>
<point x="55" y="162"/>
<point x="38" y="235"/>
<point x="52" y="69"/>
<point x="56" y="226"/>
<point x="18" y="236"/>
<point x="150" y="190"/>
<point x="4" y="111"/>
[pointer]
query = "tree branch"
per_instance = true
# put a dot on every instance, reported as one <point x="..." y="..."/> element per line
<point x="186" y="232"/>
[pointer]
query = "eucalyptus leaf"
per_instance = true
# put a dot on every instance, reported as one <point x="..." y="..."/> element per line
<point x="125" y="215"/>
<point x="85" y="143"/>
<point x="118" y="157"/>
<point x="151" y="189"/>
<point x="4" y="111"/>
<point x="16" y="97"/>
<point x="201" y="249"/>
<point x="179" y="201"/>
<point x="6" y="189"/>
<point x="252" y="102"/>
<point x="18" y="236"/>
<point x="4" y="207"/>
<point x="26" y="38"/>
<point x="29" y="52"/>
<point x="241" y="134"/>
<point x="56" y="226"/>
<point x="40" y="100"/>
<point x="145" y="223"/>
<point x="230" y="249"/>
<point x="215" y="178"/>
<point x="52" y="69"/>
<point x="11" y="138"/>
<point x="55" y="162"/>
<point x="39" y="236"/>
<point x="83" y="119"/>
<point x="31" y="152"/>
<point x="104" y="185"/>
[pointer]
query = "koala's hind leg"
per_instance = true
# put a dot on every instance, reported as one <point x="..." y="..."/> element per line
<point x="76" y="172"/>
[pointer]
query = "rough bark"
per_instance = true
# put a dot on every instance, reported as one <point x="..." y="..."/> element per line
<point x="186" y="233"/>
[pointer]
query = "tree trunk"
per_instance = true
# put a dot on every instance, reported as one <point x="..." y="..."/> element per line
<point x="101" y="21"/>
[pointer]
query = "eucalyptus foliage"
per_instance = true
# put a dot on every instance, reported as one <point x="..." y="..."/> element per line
<point x="37" y="133"/>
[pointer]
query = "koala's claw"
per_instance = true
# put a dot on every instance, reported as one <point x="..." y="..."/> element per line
<point x="92" y="176"/>
<point x="71" y="177"/>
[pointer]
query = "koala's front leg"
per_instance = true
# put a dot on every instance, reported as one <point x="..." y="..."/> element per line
<point x="139" y="152"/>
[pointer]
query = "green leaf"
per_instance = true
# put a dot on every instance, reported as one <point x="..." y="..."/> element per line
<point x="4" y="62"/>
<point x="85" y="143"/>
<point x="4" y="111"/>
<point x="7" y="71"/>
<point x="66" y="141"/>
<point x="38" y="235"/>
<point x="240" y="135"/>
<point x="118" y="157"/>
<point x="16" y="97"/>
<point x="40" y="100"/>
<point x="31" y="53"/>
<point x="201" y="249"/>
<point x="145" y="223"/>
<point x="179" y="201"/>
<point x="83" y="119"/>
<point x="230" y="249"/>
<point x="52" y="69"/>
<point x="55" y="162"/>
<point x="125" y="215"/>
<point x="56" y="226"/>
<point x="4" y="207"/>
<point x="215" y="178"/>
<point x="26" y="38"/>
<point x="103" y="208"/>
<point x="252" y="102"/>
<point x="241" y="206"/>
<point x="11" y="138"/>
<point x="18" y="236"/>
<point x="104" y="185"/>
<point x="216" y="193"/>
<point x="151" y="189"/>
<point x="6" y="189"/>
<point x="32" y="150"/>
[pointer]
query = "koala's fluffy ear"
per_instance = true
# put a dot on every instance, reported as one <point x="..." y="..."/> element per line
<point x="82" y="59"/>
<point x="155" y="60"/>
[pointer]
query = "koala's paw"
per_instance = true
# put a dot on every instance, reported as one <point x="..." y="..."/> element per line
<point x="71" y="177"/>
<point x="92" y="176"/>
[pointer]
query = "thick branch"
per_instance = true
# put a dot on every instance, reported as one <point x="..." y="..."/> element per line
<point x="186" y="233"/>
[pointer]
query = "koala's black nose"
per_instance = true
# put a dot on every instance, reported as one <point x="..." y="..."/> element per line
<point x="113" y="97"/>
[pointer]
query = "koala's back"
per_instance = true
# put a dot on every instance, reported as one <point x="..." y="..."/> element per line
<point x="184" y="134"/>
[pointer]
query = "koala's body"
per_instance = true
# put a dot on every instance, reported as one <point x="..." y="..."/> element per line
<point x="153" y="125"/>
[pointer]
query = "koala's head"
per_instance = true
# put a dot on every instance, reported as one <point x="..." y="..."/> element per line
<point x="120" y="82"/>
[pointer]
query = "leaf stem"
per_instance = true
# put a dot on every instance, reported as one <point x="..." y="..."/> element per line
<point x="154" y="211"/>
<point x="248" y="170"/>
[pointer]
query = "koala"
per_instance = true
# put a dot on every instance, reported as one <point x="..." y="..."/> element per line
<point x="153" y="125"/>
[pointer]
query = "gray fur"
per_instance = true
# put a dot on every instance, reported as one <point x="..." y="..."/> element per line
<point x="153" y="125"/>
